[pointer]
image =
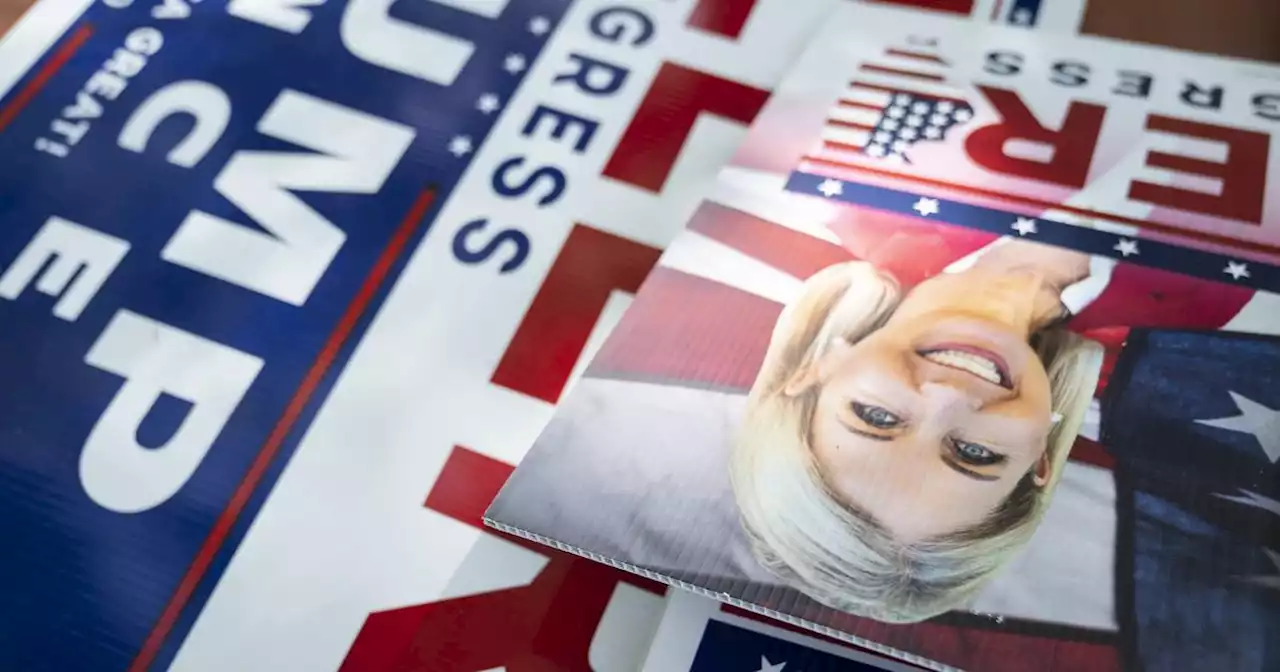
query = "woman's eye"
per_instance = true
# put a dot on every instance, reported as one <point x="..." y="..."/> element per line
<point x="876" y="417"/>
<point x="972" y="453"/>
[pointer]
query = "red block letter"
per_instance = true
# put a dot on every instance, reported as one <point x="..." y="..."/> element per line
<point x="546" y="626"/>
<point x="1073" y="145"/>
<point x="723" y="17"/>
<point x="1243" y="175"/>
<point x="649" y="147"/>
<point x="553" y="333"/>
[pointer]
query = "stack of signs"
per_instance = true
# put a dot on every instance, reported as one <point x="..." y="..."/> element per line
<point x="969" y="358"/>
<point x="288" y="286"/>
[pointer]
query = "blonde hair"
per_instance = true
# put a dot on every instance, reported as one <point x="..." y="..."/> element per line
<point x="833" y="551"/>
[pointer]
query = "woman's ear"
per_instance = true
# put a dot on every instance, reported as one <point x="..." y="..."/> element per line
<point x="1043" y="470"/>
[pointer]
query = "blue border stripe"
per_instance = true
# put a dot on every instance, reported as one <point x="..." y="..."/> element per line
<point x="1152" y="253"/>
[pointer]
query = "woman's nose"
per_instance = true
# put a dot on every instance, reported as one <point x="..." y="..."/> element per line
<point x="946" y="403"/>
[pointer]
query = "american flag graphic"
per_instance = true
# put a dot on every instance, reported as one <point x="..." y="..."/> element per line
<point x="893" y="103"/>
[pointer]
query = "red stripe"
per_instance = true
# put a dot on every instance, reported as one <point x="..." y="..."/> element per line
<point x="337" y="338"/>
<point x="42" y="76"/>
<point x="842" y="146"/>
<point x="898" y="72"/>
<point x="888" y="89"/>
<point x="1047" y="205"/>
<point x="795" y="253"/>
<point x="917" y="55"/>
<point x="850" y="124"/>
<point x="844" y="102"/>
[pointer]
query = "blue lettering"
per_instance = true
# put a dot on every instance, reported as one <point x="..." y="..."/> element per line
<point x="554" y="175"/>
<point x="597" y="78"/>
<point x="561" y="122"/>
<point x="467" y="255"/>
<point x="615" y="24"/>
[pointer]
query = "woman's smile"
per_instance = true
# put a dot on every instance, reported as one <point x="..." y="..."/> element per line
<point x="970" y="359"/>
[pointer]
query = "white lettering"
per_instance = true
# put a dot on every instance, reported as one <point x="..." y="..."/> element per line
<point x="357" y="153"/>
<point x="206" y="102"/>
<point x="156" y="359"/>
<point x="286" y="15"/>
<point x="370" y="34"/>
<point x="80" y="260"/>
<point x="171" y="9"/>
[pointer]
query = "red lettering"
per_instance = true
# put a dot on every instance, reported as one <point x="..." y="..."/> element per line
<point x="546" y="626"/>
<point x="1243" y="175"/>
<point x="722" y="17"/>
<point x="651" y="144"/>
<point x="1072" y="145"/>
<point x="554" y="331"/>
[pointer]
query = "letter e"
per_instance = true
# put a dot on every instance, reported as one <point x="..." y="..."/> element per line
<point x="82" y="259"/>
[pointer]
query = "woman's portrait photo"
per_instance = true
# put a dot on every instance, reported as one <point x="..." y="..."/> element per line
<point x="901" y="443"/>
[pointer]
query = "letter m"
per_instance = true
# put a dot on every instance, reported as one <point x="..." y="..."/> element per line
<point x="353" y="154"/>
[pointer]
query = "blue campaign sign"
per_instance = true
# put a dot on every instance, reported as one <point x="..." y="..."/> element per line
<point x="203" y="203"/>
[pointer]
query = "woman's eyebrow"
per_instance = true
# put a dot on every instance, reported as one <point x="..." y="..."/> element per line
<point x="971" y="474"/>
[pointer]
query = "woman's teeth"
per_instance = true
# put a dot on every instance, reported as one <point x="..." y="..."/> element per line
<point x="968" y="362"/>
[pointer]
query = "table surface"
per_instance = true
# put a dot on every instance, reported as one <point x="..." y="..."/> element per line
<point x="1244" y="28"/>
<point x="10" y="10"/>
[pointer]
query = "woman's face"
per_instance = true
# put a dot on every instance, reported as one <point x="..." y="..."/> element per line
<point x="929" y="423"/>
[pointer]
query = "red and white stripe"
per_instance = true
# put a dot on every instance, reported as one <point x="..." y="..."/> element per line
<point x="916" y="69"/>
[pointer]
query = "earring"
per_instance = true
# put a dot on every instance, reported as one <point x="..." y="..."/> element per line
<point x="1055" y="418"/>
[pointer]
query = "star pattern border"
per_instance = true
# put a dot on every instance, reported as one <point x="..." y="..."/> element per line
<point x="1128" y="248"/>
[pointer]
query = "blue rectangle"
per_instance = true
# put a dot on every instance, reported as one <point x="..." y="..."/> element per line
<point x="83" y="586"/>
<point x="1025" y="12"/>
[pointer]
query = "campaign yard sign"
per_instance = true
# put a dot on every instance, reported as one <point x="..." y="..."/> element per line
<point x="288" y="285"/>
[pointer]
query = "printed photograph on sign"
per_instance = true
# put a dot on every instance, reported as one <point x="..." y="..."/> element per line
<point x="975" y="434"/>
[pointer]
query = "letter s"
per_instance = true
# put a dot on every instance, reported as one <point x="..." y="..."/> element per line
<point x="552" y="174"/>
<point x="1003" y="63"/>
<point x="467" y="255"/>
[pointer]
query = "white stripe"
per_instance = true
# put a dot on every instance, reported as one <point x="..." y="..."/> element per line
<point x="1261" y="315"/>
<point x="696" y="254"/>
<point x="858" y="94"/>
<point x="33" y="35"/>
<point x="855" y="115"/>
<point x="911" y="65"/>
<point x="848" y="158"/>
<point x="846" y="136"/>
